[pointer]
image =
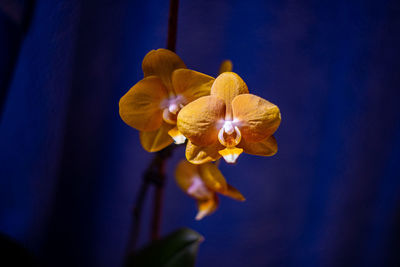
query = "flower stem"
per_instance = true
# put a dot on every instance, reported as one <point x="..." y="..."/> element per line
<point x="172" y="24"/>
<point x="155" y="172"/>
<point x="137" y="212"/>
<point x="153" y="175"/>
<point x="159" y="180"/>
<point x="159" y="191"/>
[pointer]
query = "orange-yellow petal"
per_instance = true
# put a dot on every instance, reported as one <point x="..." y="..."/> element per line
<point x="232" y="192"/>
<point x="256" y="118"/>
<point x="227" y="86"/>
<point x="207" y="207"/>
<point x="184" y="174"/>
<point x="156" y="140"/>
<point x="161" y="63"/>
<point x="226" y="66"/>
<point x="199" y="120"/>
<point x="178" y="137"/>
<point x="191" y="84"/>
<point x="202" y="154"/>
<point x="189" y="180"/>
<point x="266" y="147"/>
<point x="140" y="106"/>
<point x="212" y="177"/>
<point x="230" y="154"/>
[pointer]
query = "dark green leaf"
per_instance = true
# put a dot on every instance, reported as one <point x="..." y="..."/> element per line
<point x="178" y="249"/>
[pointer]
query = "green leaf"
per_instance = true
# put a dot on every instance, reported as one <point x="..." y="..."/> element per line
<point x="178" y="249"/>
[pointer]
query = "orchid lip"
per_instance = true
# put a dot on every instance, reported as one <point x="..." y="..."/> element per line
<point x="169" y="117"/>
<point x="229" y="129"/>
<point x="178" y="137"/>
<point x="231" y="154"/>
<point x="171" y="108"/>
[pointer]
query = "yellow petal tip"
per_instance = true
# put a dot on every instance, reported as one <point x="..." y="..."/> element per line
<point x="241" y="198"/>
<point x="230" y="154"/>
<point x="217" y="186"/>
<point x="232" y="192"/>
<point x="226" y="66"/>
<point x="178" y="137"/>
<point x="201" y="214"/>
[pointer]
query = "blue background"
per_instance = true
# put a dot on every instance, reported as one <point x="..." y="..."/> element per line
<point x="70" y="168"/>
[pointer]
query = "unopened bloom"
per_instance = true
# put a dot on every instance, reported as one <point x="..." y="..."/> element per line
<point x="226" y="66"/>
<point x="203" y="182"/>
<point x="152" y="104"/>
<point x="228" y="122"/>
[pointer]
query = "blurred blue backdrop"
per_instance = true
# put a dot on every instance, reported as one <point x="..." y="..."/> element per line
<point x="70" y="168"/>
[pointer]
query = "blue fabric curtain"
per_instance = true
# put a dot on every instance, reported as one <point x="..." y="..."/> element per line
<point x="70" y="168"/>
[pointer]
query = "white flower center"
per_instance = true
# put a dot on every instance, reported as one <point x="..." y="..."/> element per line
<point x="198" y="189"/>
<point x="228" y="127"/>
<point x="229" y="135"/>
<point x="171" y="107"/>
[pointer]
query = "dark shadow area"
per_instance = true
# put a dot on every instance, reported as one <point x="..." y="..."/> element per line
<point x="15" y="17"/>
<point x="13" y="254"/>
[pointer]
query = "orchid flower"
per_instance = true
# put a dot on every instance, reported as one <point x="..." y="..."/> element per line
<point x="228" y="122"/>
<point x="203" y="182"/>
<point x="152" y="105"/>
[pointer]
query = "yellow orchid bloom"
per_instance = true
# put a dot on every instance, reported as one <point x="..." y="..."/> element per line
<point x="203" y="182"/>
<point x="152" y="105"/>
<point x="228" y="122"/>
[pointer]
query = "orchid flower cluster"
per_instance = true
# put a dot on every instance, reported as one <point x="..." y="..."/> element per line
<point x="215" y="117"/>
